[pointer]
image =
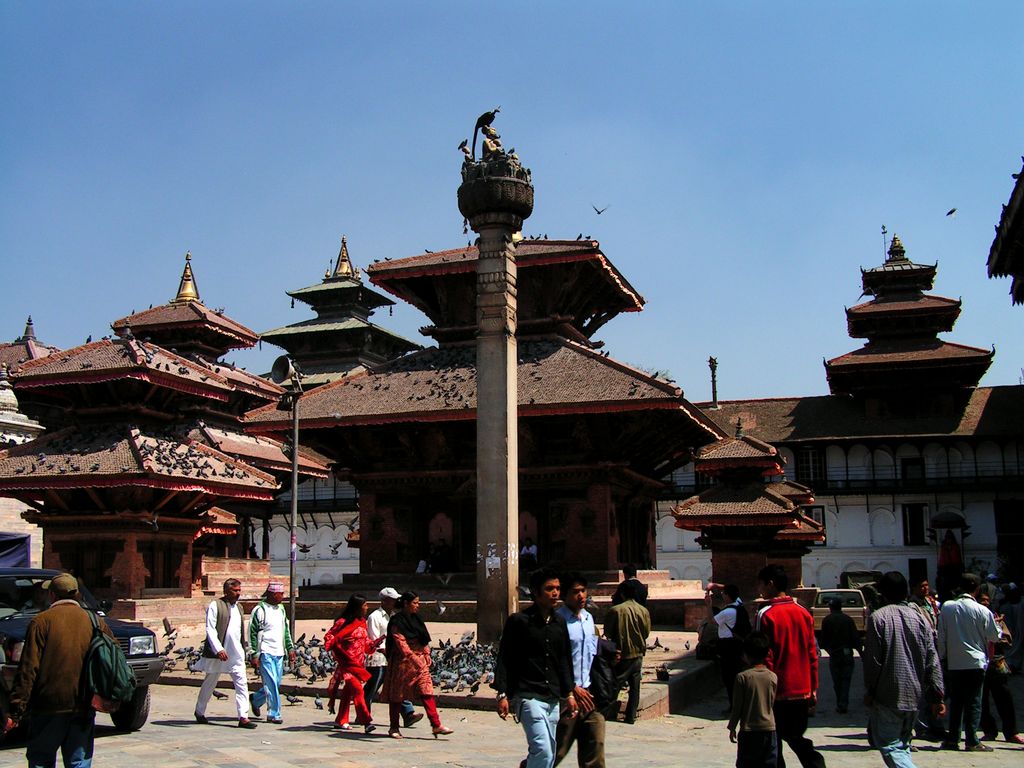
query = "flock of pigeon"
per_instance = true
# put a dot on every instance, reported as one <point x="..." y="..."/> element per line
<point x="455" y="667"/>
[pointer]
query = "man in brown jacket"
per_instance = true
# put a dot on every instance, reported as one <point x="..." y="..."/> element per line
<point x="46" y="685"/>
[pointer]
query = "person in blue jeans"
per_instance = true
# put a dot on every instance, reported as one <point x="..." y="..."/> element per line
<point x="964" y="632"/>
<point x="533" y="677"/>
<point x="46" y="683"/>
<point x="270" y="640"/>
<point x="901" y="668"/>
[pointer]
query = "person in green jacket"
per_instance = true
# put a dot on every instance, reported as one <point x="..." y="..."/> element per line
<point x="628" y="625"/>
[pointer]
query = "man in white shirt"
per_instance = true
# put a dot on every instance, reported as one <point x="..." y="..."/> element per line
<point x="729" y="646"/>
<point x="377" y="626"/>
<point x="964" y="630"/>
<point x="225" y="650"/>
<point x="270" y="639"/>
<point x="588" y="728"/>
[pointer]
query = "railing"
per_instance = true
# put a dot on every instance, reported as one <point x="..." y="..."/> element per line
<point x="989" y="475"/>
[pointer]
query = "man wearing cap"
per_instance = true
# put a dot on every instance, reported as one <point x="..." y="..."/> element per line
<point x="270" y="639"/>
<point x="224" y="651"/>
<point x="376" y="627"/>
<point x="46" y="685"/>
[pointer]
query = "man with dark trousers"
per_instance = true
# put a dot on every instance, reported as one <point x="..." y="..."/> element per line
<point x="627" y="625"/>
<point x="47" y="684"/>
<point x="965" y="630"/>
<point x="534" y="676"/>
<point x="840" y="638"/>
<point x="793" y="657"/>
<point x="586" y="729"/>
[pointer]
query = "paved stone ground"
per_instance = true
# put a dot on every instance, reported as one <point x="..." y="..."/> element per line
<point x="697" y="737"/>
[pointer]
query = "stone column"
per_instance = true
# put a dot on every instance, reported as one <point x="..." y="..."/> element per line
<point x="495" y="197"/>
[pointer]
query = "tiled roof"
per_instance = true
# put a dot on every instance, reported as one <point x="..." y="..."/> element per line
<point x="186" y="315"/>
<point x="244" y="381"/>
<point x="15" y="354"/>
<point x="554" y="376"/>
<point x="884" y="353"/>
<point x="122" y="455"/>
<point x="1006" y="256"/>
<point x="753" y="504"/>
<point x="990" y="412"/>
<point x="807" y="529"/>
<point x="113" y="359"/>
<point x="529" y="253"/>
<point x="743" y="447"/>
<point x="315" y="326"/>
<point x="259" y="451"/>
<point x="922" y="303"/>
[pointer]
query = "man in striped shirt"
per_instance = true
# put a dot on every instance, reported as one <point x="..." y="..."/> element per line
<point x="901" y="667"/>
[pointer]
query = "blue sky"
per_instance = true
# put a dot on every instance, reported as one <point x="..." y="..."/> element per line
<point x="748" y="153"/>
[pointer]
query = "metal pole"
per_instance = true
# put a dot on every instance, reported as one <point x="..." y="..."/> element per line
<point x="295" y="507"/>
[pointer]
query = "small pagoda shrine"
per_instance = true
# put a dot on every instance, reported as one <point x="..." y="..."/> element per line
<point x="749" y="517"/>
<point x="26" y="347"/>
<point x="595" y="439"/>
<point x="904" y="369"/>
<point x="341" y="337"/>
<point x="142" y="442"/>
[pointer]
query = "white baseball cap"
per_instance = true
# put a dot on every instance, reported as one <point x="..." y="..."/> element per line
<point x="390" y="592"/>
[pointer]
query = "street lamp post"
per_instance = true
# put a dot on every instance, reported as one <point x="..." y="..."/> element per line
<point x="287" y="370"/>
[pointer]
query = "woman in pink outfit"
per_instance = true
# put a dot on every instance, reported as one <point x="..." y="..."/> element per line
<point x="349" y="643"/>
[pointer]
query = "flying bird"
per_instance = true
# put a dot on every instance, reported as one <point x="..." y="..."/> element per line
<point x="951" y="212"/>
<point x="441" y="608"/>
<point x="597" y="210"/>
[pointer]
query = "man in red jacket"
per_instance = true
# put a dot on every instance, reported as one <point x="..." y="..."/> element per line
<point x="793" y="657"/>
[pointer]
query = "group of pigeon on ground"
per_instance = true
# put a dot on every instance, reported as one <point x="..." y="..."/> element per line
<point x="460" y="666"/>
<point x="455" y="667"/>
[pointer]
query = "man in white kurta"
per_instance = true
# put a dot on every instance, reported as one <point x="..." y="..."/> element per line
<point x="226" y="651"/>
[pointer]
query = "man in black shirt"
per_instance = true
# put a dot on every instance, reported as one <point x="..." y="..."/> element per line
<point x="839" y="636"/>
<point x="639" y="588"/>
<point x="534" y="669"/>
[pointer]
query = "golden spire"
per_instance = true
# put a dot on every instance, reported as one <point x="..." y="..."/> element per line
<point x="343" y="267"/>
<point x="187" y="290"/>
<point x="896" y="250"/>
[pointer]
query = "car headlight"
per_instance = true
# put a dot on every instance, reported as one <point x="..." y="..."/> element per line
<point x="142" y="645"/>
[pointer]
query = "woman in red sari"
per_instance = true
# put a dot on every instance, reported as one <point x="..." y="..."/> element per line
<point x="349" y="643"/>
<point x="407" y="675"/>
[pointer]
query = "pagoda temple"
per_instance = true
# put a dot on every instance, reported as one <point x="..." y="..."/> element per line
<point x="915" y="467"/>
<point x="751" y="516"/>
<point x="904" y="367"/>
<point x="341" y="337"/>
<point x="595" y="435"/>
<point x="142" y="442"/>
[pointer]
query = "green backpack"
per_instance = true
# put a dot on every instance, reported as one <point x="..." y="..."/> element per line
<point x="106" y="676"/>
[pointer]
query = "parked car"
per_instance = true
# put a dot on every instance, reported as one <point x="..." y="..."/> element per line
<point x="854" y="605"/>
<point x="22" y="596"/>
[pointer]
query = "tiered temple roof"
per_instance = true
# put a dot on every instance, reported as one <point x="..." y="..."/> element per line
<point x="187" y="326"/>
<point x="1006" y="256"/>
<point x="741" y="497"/>
<point x="903" y="353"/>
<point x="341" y="337"/>
<point x="567" y="287"/>
<point x="590" y="427"/>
